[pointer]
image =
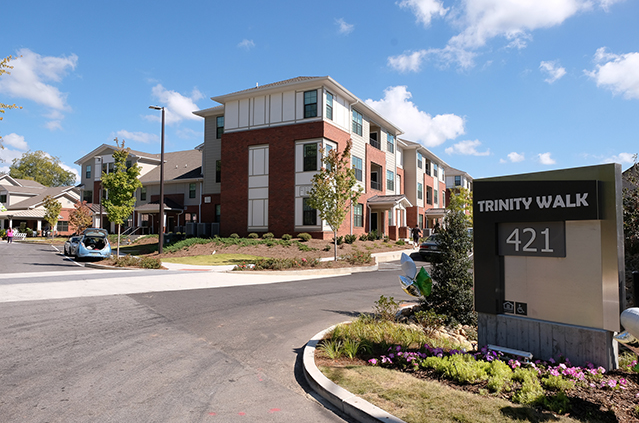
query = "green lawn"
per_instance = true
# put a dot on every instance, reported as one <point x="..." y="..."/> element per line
<point x="214" y="259"/>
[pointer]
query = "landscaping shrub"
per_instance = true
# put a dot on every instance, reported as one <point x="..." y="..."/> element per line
<point x="286" y="237"/>
<point x="400" y="242"/>
<point x="185" y="243"/>
<point x="340" y="240"/>
<point x="284" y="263"/>
<point x="358" y="257"/>
<point x="327" y="247"/>
<point x="349" y="239"/>
<point x="268" y="235"/>
<point x="150" y="263"/>
<point x="363" y="237"/>
<point x="430" y="320"/>
<point x="305" y="236"/>
<point x="253" y="235"/>
<point x="386" y="308"/>
<point x="235" y="236"/>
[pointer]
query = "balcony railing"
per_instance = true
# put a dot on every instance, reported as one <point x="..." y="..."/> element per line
<point x="375" y="143"/>
<point x="376" y="185"/>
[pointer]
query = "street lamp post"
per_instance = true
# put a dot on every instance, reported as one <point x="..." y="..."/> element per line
<point x="161" y="234"/>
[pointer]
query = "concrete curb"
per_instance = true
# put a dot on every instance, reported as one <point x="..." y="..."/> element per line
<point x="346" y="402"/>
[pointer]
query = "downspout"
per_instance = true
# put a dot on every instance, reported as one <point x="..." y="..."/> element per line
<point x="369" y="216"/>
<point x="199" y="214"/>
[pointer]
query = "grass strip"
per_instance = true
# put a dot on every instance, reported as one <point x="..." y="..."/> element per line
<point x="214" y="259"/>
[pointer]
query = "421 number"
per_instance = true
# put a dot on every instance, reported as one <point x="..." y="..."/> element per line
<point x="528" y="236"/>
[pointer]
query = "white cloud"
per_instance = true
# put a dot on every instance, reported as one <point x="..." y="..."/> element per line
<point x="418" y="125"/>
<point x="467" y="148"/>
<point x="480" y="21"/>
<point x="142" y="137"/>
<point x="621" y="158"/>
<point x="344" y="28"/>
<point x="246" y="44"/>
<point x="177" y="106"/>
<point x="618" y="73"/>
<point x="15" y="141"/>
<point x="7" y="155"/>
<point x="545" y="159"/>
<point x="32" y="78"/>
<point x="515" y="157"/>
<point x="553" y="70"/>
<point x="424" y="10"/>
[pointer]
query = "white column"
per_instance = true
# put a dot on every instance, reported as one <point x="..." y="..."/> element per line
<point x="39" y="225"/>
<point x="11" y="222"/>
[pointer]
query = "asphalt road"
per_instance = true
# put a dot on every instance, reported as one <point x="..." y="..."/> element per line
<point x="222" y="354"/>
<point x="20" y="257"/>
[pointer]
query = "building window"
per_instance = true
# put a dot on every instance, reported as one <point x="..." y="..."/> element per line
<point x="104" y="168"/>
<point x="63" y="226"/>
<point x="218" y="210"/>
<point x="191" y="190"/>
<point x="310" y="104"/>
<point x="434" y="170"/>
<point x="429" y="195"/>
<point x="87" y="196"/>
<point x="310" y="157"/>
<point x="358" y="166"/>
<point x="3" y="198"/>
<point x="357" y="122"/>
<point x="390" y="143"/>
<point x="420" y="191"/>
<point x="390" y="181"/>
<point x="427" y="168"/>
<point x="358" y="215"/>
<point x="399" y="184"/>
<point x="419" y="160"/>
<point x="88" y="172"/>
<point x="457" y="180"/>
<point x="421" y="220"/>
<point x="143" y="194"/>
<point x="218" y="171"/>
<point x="327" y="150"/>
<point x="329" y="106"/>
<point x="309" y="217"/>
<point x="111" y="167"/>
<point x="436" y="197"/>
<point x="219" y="127"/>
<point x="128" y="164"/>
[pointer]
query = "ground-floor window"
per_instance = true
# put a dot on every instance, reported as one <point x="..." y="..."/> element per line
<point x="358" y="215"/>
<point x="218" y="210"/>
<point x="63" y="226"/>
<point x="309" y="217"/>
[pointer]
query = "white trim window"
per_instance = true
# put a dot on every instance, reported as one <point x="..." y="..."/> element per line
<point x="329" y="106"/>
<point x="357" y="122"/>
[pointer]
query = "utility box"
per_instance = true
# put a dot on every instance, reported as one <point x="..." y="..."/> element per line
<point x="549" y="267"/>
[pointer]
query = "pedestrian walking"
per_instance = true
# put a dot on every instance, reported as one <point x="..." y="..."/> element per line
<point x="10" y="236"/>
<point x="416" y="233"/>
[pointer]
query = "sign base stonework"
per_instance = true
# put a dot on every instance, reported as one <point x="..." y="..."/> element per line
<point x="582" y="345"/>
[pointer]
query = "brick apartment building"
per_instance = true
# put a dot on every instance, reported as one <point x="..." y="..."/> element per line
<point x="262" y="147"/>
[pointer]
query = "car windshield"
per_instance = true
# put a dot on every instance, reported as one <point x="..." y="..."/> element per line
<point x="432" y="238"/>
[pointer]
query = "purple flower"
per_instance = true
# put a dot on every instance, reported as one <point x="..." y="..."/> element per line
<point x="372" y="361"/>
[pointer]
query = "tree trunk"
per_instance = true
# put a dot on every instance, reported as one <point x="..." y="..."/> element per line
<point x="118" y="250"/>
<point x="335" y="245"/>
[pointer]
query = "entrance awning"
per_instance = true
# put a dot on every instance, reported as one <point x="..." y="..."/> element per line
<point x="153" y="207"/>
<point x="386" y="202"/>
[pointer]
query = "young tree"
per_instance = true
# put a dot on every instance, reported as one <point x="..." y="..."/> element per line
<point x="462" y="200"/>
<point x="81" y="217"/>
<point x="334" y="189"/>
<point x="41" y="167"/>
<point x="4" y="65"/>
<point x="452" y="292"/>
<point x="120" y="186"/>
<point x="52" y="211"/>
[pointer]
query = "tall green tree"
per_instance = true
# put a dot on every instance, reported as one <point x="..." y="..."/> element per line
<point x="120" y="186"/>
<point x="4" y="65"/>
<point x="52" y="209"/>
<point x="452" y="291"/>
<point x="41" y="167"/>
<point x="335" y="189"/>
<point x="81" y="217"/>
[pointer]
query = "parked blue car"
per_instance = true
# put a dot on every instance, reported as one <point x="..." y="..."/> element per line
<point x="93" y="242"/>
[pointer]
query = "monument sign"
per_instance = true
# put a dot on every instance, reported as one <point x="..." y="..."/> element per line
<point x="549" y="268"/>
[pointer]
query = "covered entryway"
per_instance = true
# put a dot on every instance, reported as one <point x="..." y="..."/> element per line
<point x="147" y="216"/>
<point x="392" y="210"/>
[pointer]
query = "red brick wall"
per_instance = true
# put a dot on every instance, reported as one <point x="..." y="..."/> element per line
<point x="208" y="209"/>
<point x="281" y="204"/>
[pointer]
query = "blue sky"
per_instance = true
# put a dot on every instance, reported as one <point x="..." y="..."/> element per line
<point x="493" y="87"/>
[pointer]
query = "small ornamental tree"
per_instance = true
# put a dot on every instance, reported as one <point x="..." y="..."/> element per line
<point x="120" y="186"/>
<point x="462" y="200"/>
<point x="52" y="209"/>
<point x="452" y="292"/>
<point x="81" y="217"/>
<point x="334" y="189"/>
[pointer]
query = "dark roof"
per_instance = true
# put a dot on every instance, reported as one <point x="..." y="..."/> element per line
<point x="30" y="202"/>
<point x="177" y="166"/>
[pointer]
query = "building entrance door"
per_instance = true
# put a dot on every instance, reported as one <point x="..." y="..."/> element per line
<point x="373" y="221"/>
